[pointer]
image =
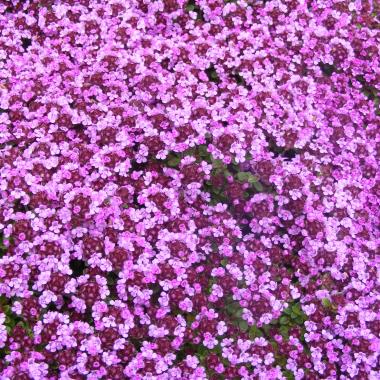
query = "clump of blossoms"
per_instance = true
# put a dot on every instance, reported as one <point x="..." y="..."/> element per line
<point x="189" y="189"/>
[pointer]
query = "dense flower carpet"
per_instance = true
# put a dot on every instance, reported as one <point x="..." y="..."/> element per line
<point x="189" y="189"/>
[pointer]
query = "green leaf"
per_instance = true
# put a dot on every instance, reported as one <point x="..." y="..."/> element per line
<point x="258" y="186"/>
<point x="203" y="151"/>
<point x="201" y="352"/>
<point x="212" y="74"/>
<point x="247" y="177"/>
<point x="284" y="320"/>
<point x="252" y="179"/>
<point x="296" y="309"/>
<point x="243" y="325"/>
<point x="284" y="330"/>
<point x="226" y="173"/>
<point x="174" y="162"/>
<point x="238" y="312"/>
<point x="242" y="176"/>
<point x="288" y="374"/>
<point x="255" y="332"/>
<point x="217" y="164"/>
<point x="281" y="360"/>
<point x="274" y="322"/>
<point x="231" y="308"/>
<point x="326" y="302"/>
<point x="300" y="320"/>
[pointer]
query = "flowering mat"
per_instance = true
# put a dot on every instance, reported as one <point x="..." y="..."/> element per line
<point x="189" y="189"/>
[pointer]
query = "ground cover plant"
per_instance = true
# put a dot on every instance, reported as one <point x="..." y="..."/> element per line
<point x="189" y="189"/>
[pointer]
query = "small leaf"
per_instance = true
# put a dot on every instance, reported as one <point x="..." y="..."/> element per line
<point x="274" y="322"/>
<point x="239" y="312"/>
<point x="174" y="162"/>
<point x="217" y="164"/>
<point x="300" y="320"/>
<point x="212" y="74"/>
<point x="284" y="330"/>
<point x="281" y="360"/>
<point x="203" y="151"/>
<point x="252" y="179"/>
<point x="296" y="309"/>
<point x="243" y="176"/>
<point x="231" y="308"/>
<point x="288" y="374"/>
<point x="266" y="329"/>
<point x="202" y="351"/>
<point x="284" y="320"/>
<point x="326" y="302"/>
<point x="258" y="186"/>
<point x="243" y="325"/>
<point x="227" y="173"/>
<point x="255" y="332"/>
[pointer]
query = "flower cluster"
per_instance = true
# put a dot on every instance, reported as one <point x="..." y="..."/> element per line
<point x="189" y="189"/>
